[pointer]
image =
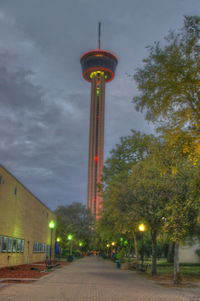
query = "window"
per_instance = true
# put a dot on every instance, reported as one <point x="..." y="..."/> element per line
<point x="39" y="247"/>
<point x="0" y="242"/>
<point x="10" y="244"/>
<point x="4" y="245"/>
<point x="18" y="245"/>
<point x="15" y="190"/>
<point x="14" y="245"/>
<point x="35" y="246"/>
<point x="22" y="245"/>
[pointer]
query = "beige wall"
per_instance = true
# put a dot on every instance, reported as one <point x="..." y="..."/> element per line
<point x="187" y="252"/>
<point x="22" y="216"/>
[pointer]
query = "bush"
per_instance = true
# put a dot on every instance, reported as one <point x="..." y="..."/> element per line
<point x="121" y="255"/>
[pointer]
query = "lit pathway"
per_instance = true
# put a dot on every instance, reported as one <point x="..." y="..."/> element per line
<point x="93" y="279"/>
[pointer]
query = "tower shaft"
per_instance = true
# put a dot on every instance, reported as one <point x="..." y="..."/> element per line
<point x="96" y="145"/>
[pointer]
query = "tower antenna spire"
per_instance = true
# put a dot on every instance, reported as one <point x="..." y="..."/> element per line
<point x="99" y="36"/>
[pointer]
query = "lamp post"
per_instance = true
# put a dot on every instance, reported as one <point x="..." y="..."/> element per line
<point x="51" y="226"/>
<point x="142" y="229"/>
<point x="70" y="237"/>
<point x="113" y="250"/>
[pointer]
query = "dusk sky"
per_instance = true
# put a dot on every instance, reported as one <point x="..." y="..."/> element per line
<point x="44" y="100"/>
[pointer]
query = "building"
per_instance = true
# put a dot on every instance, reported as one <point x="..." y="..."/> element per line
<point x="24" y="232"/>
<point x="188" y="251"/>
<point x="98" y="68"/>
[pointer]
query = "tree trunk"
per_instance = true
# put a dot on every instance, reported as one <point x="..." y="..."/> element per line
<point x="154" y="251"/>
<point x="177" y="276"/>
<point x="170" y="253"/>
<point x="136" y="247"/>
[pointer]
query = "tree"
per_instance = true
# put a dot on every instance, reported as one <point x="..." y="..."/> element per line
<point x="169" y="85"/>
<point x="150" y="195"/>
<point x="74" y="219"/>
<point x="118" y="219"/>
<point x="131" y="149"/>
<point x="182" y="210"/>
<point x="128" y="152"/>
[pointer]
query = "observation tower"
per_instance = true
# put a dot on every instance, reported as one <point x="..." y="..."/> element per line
<point x="98" y="68"/>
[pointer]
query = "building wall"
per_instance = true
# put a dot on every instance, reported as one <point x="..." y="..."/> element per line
<point x="187" y="252"/>
<point x="23" y="217"/>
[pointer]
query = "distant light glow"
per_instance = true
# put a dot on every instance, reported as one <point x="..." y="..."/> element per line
<point x="70" y="236"/>
<point x="80" y="243"/>
<point x="108" y="245"/>
<point x="126" y="242"/>
<point x="96" y="159"/>
<point x="121" y="239"/>
<point x="113" y="243"/>
<point x="58" y="239"/>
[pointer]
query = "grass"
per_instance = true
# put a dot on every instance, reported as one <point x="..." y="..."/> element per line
<point x="189" y="271"/>
<point x="185" y="270"/>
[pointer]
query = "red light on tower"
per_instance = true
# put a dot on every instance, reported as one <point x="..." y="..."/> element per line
<point x="96" y="159"/>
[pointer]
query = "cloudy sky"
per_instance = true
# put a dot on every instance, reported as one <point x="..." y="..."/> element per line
<point x="44" y="101"/>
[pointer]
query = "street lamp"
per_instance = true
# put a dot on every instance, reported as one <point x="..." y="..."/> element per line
<point x="142" y="229"/>
<point x="51" y="226"/>
<point x="70" y="238"/>
<point x="58" y="239"/>
<point x="125" y="242"/>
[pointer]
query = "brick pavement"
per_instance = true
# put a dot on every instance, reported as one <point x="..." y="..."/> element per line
<point x="93" y="279"/>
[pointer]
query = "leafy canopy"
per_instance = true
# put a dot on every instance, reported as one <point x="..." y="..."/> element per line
<point x="169" y="85"/>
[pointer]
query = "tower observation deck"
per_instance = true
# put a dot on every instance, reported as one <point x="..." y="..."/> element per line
<point x="98" y="68"/>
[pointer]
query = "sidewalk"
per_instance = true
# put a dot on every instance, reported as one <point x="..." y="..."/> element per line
<point x="93" y="279"/>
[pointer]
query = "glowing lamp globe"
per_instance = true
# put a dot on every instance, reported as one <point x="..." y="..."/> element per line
<point x="142" y="227"/>
<point x="70" y="237"/>
<point x="52" y="225"/>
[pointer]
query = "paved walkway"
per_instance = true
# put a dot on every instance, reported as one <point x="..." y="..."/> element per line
<point x="93" y="279"/>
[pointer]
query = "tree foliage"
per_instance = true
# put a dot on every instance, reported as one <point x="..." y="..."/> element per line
<point x="74" y="219"/>
<point x="169" y="86"/>
<point x="151" y="189"/>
